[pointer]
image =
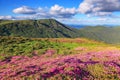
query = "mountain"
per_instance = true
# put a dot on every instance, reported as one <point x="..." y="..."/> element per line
<point x="44" y="28"/>
<point x="68" y="58"/>
<point x="76" y="26"/>
<point x="50" y="28"/>
<point x="101" y="33"/>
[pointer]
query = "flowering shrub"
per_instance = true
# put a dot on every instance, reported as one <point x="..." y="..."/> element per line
<point x="75" y="67"/>
<point x="58" y="59"/>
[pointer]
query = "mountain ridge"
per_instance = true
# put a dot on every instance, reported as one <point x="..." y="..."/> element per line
<point x="51" y="28"/>
<point x="40" y="28"/>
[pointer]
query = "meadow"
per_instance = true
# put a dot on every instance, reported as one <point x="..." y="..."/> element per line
<point x="58" y="59"/>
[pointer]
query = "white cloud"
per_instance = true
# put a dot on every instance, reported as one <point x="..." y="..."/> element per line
<point x="55" y="11"/>
<point x="99" y="7"/>
<point x="7" y="17"/>
<point x="88" y="7"/>
<point x="24" y="10"/>
<point x="62" y="12"/>
<point x="102" y="19"/>
<point x="91" y="8"/>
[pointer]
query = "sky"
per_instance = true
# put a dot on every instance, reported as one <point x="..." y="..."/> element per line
<point x="82" y="12"/>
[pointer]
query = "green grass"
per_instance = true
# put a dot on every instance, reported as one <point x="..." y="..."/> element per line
<point x="99" y="72"/>
<point x="12" y="46"/>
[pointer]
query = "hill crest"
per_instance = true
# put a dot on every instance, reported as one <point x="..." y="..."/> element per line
<point x="36" y="28"/>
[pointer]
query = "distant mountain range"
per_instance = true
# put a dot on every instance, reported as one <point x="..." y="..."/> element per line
<point x="82" y="26"/>
<point x="50" y="28"/>
<point x="76" y="26"/>
<point x="100" y="33"/>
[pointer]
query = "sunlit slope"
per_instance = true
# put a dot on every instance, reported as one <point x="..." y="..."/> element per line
<point x="12" y="46"/>
<point x="100" y="33"/>
<point x="50" y="28"/>
<point x="58" y="58"/>
<point x="44" y="28"/>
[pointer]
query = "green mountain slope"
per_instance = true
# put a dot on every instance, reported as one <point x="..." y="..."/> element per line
<point x="36" y="28"/>
<point x="100" y="33"/>
<point x="50" y="28"/>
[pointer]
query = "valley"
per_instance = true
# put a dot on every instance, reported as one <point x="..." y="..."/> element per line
<point x="49" y="50"/>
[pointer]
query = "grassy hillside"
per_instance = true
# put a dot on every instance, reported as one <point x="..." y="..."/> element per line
<point x="58" y="59"/>
<point x="100" y="33"/>
<point x="48" y="28"/>
<point x="12" y="46"/>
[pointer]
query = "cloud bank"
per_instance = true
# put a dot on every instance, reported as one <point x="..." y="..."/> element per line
<point x="99" y="8"/>
<point x="55" y="11"/>
<point x="7" y="17"/>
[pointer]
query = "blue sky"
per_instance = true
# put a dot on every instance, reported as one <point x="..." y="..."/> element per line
<point x="88" y="12"/>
